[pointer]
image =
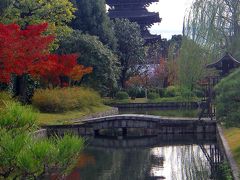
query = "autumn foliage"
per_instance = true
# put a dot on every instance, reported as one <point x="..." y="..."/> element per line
<point x="78" y="71"/>
<point x="27" y="52"/>
<point x="137" y="81"/>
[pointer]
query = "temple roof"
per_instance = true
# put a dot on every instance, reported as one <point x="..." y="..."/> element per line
<point x="150" y="37"/>
<point x="136" y="11"/>
<point x="227" y="57"/>
<point x="225" y="64"/>
<point x="139" y="16"/>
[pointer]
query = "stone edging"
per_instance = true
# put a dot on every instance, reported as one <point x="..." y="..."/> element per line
<point x="228" y="154"/>
<point x="39" y="134"/>
<point x="167" y="105"/>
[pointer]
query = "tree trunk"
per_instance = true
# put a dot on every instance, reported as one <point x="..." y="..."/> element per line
<point x="123" y="81"/>
<point x="22" y="89"/>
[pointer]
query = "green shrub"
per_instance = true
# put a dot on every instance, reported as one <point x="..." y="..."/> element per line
<point x="121" y="95"/>
<point x="141" y="93"/>
<point x="172" y="91"/>
<point x="198" y="92"/>
<point x="228" y="100"/>
<point x="186" y="93"/>
<point x="153" y="96"/>
<point x="132" y="92"/>
<point x="224" y="171"/>
<point x="65" y="99"/>
<point x="136" y="92"/>
<point x="16" y="116"/>
<point x="24" y="157"/>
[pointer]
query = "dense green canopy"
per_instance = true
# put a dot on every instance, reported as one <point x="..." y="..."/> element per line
<point x="130" y="48"/>
<point x="91" y="18"/>
<point x="56" y="12"/>
<point x="228" y="99"/>
<point x="93" y="53"/>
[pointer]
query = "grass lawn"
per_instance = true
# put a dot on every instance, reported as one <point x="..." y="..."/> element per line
<point x="66" y="117"/>
<point x="116" y="101"/>
<point x="233" y="137"/>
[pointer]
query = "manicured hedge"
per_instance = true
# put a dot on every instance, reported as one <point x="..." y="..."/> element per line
<point x="121" y="95"/>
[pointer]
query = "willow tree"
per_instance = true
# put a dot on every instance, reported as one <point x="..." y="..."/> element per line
<point x="191" y="63"/>
<point x="212" y="28"/>
<point x="215" y="25"/>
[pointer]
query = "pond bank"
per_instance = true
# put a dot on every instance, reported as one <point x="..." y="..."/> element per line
<point x="165" y="105"/>
<point x="78" y="115"/>
<point x="230" y="139"/>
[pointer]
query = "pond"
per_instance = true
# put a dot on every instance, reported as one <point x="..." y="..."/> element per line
<point x="150" y="158"/>
<point x="179" y="156"/>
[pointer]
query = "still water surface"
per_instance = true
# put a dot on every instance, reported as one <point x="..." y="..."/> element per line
<point x="147" y="159"/>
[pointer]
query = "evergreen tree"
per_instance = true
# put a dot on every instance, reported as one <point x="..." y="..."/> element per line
<point x="93" y="53"/>
<point x="130" y="48"/>
<point x="26" y="12"/>
<point x="228" y="100"/>
<point x="91" y="18"/>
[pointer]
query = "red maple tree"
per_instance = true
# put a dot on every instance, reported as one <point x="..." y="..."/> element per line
<point x="27" y="52"/>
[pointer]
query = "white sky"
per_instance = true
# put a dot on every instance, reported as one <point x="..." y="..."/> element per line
<point x="172" y="13"/>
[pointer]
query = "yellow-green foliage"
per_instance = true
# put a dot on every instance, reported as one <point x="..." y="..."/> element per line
<point x="233" y="135"/>
<point x="4" y="97"/>
<point x="65" y="99"/>
<point x="56" y="12"/>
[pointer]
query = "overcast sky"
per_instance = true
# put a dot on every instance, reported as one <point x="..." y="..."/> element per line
<point x="172" y="14"/>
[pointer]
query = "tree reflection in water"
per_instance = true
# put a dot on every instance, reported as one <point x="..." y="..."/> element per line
<point x="176" y="162"/>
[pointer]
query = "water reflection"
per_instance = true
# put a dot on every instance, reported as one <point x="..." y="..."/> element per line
<point x="156" y="162"/>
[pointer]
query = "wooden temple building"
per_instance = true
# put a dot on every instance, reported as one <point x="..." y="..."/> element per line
<point x="224" y="66"/>
<point x="136" y="11"/>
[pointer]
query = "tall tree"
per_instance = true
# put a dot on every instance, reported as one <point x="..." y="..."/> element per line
<point x="191" y="63"/>
<point x="130" y="48"/>
<point x="215" y="25"/>
<point x="91" y="18"/>
<point x="206" y="35"/>
<point x="93" y="53"/>
<point x="26" y="12"/>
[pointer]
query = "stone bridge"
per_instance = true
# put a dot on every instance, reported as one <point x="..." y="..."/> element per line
<point x="152" y="125"/>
